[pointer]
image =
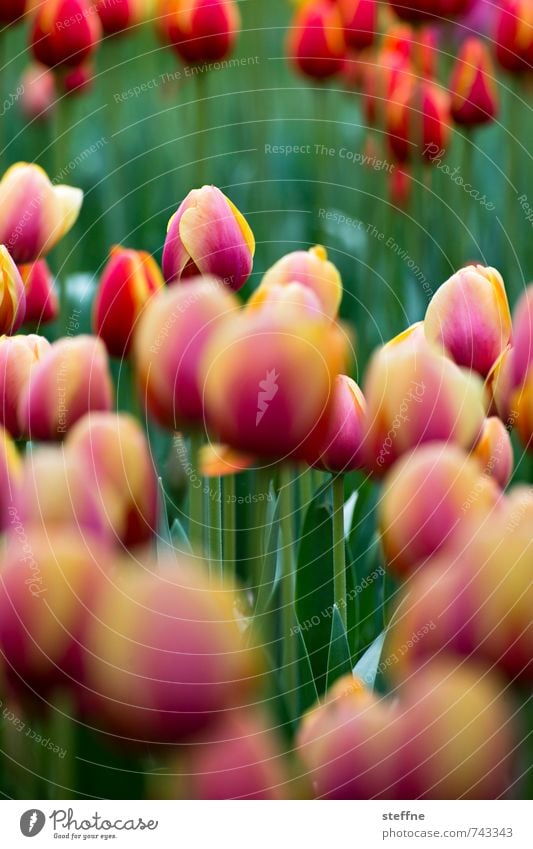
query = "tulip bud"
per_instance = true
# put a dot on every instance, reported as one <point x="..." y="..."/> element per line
<point x="76" y="80"/>
<point x="42" y="302"/>
<point x="10" y="476"/>
<point x="291" y="295"/>
<point x="18" y="354"/>
<point x="64" y="32"/>
<point x="11" y="11"/>
<point x="418" y="120"/>
<point x="428" y="498"/>
<point x="117" y="16"/>
<point x="38" y="92"/>
<point x="419" y="10"/>
<point x="494" y="451"/>
<point x="415" y="396"/>
<point x="336" y="443"/>
<point x="472" y="85"/>
<point x="45" y="602"/>
<point x="111" y="449"/>
<point x="187" y="665"/>
<point x="36" y="214"/>
<point x="380" y="80"/>
<point x="478" y="597"/>
<point x="127" y="283"/>
<point x="514" y="36"/>
<point x="255" y="399"/>
<point x="311" y="269"/>
<point x="71" y="379"/>
<point x="360" y="21"/>
<point x="201" y="31"/>
<point x="469" y="316"/>
<point x="315" y="42"/>
<point x="12" y="294"/>
<point x="208" y="235"/>
<point x="169" y="343"/>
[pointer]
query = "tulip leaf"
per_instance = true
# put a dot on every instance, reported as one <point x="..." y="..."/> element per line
<point x="179" y="538"/>
<point x="267" y="583"/>
<point x="367" y="666"/>
<point x="307" y="693"/>
<point x="164" y="536"/>
<point x="339" y="660"/>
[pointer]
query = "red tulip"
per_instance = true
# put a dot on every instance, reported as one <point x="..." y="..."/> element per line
<point x="418" y="120"/>
<point x="200" y="31"/>
<point x="360" y="21"/>
<point x="514" y="36"/>
<point x="419" y="10"/>
<point x="315" y="41"/>
<point x="472" y="86"/>
<point x="119" y="15"/>
<point x="42" y="302"/>
<point x="64" y="32"/>
<point x="12" y="11"/>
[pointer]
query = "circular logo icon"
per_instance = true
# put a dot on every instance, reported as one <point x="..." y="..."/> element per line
<point x="32" y="822"/>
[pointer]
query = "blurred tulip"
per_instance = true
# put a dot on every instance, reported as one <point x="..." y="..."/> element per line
<point x="473" y="85"/>
<point x="71" y="378"/>
<point x="128" y="281"/>
<point x="399" y="38"/>
<point x="400" y="187"/>
<point x="187" y="667"/>
<point x="290" y="295"/>
<point x="336" y="444"/>
<point x="479" y="597"/>
<point x="39" y="92"/>
<point x="11" y="11"/>
<point x="76" y="80"/>
<point x="419" y="10"/>
<point x="208" y="235"/>
<point x="201" y="31"/>
<point x="360" y="21"/>
<point x="415" y="396"/>
<point x="118" y="16"/>
<point x="311" y="269"/>
<point x="169" y="343"/>
<point x="12" y="294"/>
<point x="381" y="77"/>
<point x="49" y="584"/>
<point x="64" y="32"/>
<point x="469" y="315"/>
<point x="315" y="42"/>
<point x="427" y="499"/>
<point x="10" y="477"/>
<point x="514" y="36"/>
<point x="494" y="451"/>
<point x="240" y="757"/>
<point x="254" y="395"/>
<point x="418" y="120"/>
<point x="36" y="214"/>
<point x="18" y="354"/>
<point x="111" y="450"/>
<point x="42" y="302"/>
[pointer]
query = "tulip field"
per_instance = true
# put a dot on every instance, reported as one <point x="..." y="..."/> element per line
<point x="266" y="420"/>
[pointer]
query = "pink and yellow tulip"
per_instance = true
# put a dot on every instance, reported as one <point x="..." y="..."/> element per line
<point x="208" y="235"/>
<point x="42" y="302"/>
<point x="18" y="355"/>
<point x="10" y="478"/>
<point x="12" y="294"/>
<point x="336" y="444"/>
<point x="494" y="451"/>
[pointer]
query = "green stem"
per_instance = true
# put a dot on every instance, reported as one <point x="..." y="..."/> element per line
<point x="61" y="152"/>
<point x="287" y="582"/>
<point x="259" y="521"/>
<point x="305" y="481"/>
<point x="215" y="528"/>
<point x="201" y="129"/>
<point x="468" y="176"/>
<point x="229" y="526"/>
<point x="339" y="556"/>
<point x="196" y="506"/>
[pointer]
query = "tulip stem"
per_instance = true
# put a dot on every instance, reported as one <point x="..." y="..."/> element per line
<point x="306" y="490"/>
<point x="196" y="505"/>
<point x="201" y="129"/>
<point x="229" y="526"/>
<point x="287" y="581"/>
<point x="215" y="527"/>
<point x="60" y="149"/>
<point x="339" y="554"/>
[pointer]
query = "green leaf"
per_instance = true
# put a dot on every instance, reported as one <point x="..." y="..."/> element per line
<point x="339" y="660"/>
<point x="367" y="666"/>
<point x="307" y="694"/>
<point x="179" y="538"/>
<point x="267" y="584"/>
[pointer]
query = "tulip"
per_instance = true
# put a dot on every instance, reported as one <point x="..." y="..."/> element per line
<point x="71" y="379"/>
<point x="419" y="10"/>
<point x="254" y="395"/>
<point x="418" y="120"/>
<point x="11" y="11"/>
<point x="18" y="354"/>
<point x="208" y="235"/>
<point x="514" y="36"/>
<point x="10" y="476"/>
<point x="472" y="85"/>
<point x="494" y="451"/>
<point x="415" y="396"/>
<point x="360" y="21"/>
<point x="400" y="188"/>
<point x="290" y="295"/>
<point x="38" y="92"/>
<point x="12" y="294"/>
<point x="50" y="581"/>
<point x="315" y="41"/>
<point x="428" y="498"/>
<point x="239" y="758"/>
<point x="36" y="214"/>
<point x="117" y="16"/>
<point x="111" y="450"/>
<point x="311" y="269"/>
<point x="380" y="80"/>
<point x="64" y="32"/>
<point x="336" y="444"/>
<point x="127" y="283"/>
<point x="76" y="80"/>
<point x="42" y="303"/>
<point x="479" y="598"/>
<point x="164" y="655"/>
<point x="469" y="316"/>
<point x="518" y="508"/>
<point x="201" y="31"/>
<point x="172" y="335"/>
